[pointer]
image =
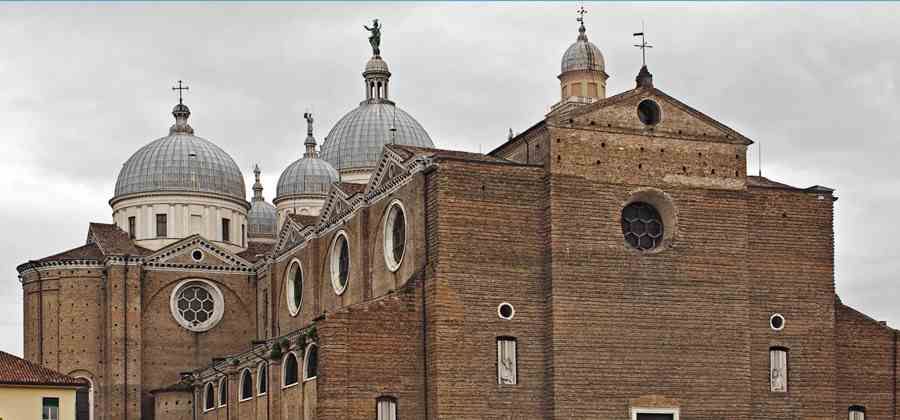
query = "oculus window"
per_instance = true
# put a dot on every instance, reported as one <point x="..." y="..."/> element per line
<point x="294" y="287"/>
<point x="340" y="263"/>
<point x="197" y="305"/>
<point x="642" y="226"/>
<point x="394" y="236"/>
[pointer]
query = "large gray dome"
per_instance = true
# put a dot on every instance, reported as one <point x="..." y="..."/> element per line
<point x="181" y="162"/>
<point x="582" y="55"/>
<point x="308" y="175"/>
<point x="357" y="140"/>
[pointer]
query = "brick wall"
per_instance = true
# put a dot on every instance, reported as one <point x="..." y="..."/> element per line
<point x="865" y="369"/>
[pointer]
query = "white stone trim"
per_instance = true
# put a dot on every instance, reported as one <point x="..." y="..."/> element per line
<point x="334" y="262"/>
<point x="783" y="321"/>
<point x="388" y="237"/>
<point x="206" y="406"/>
<point x="511" y="316"/>
<point x="289" y="287"/>
<point x="638" y="410"/>
<point x="284" y="365"/>
<point x="218" y="302"/>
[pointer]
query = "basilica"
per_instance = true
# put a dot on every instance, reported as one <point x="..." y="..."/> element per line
<point x="612" y="261"/>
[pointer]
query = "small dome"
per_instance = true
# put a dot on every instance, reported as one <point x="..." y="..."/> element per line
<point x="261" y="219"/>
<point x="357" y="140"/>
<point x="308" y="175"/>
<point x="582" y="55"/>
<point x="181" y="162"/>
<point x="376" y="65"/>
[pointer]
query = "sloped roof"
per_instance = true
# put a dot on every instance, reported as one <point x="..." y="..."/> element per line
<point x="17" y="371"/>
<point x="411" y="151"/>
<point x="256" y="251"/>
<point x="763" y="182"/>
<point x="305" y="219"/>
<point x="351" y="188"/>
<point x="85" y="252"/>
<point x="114" y="241"/>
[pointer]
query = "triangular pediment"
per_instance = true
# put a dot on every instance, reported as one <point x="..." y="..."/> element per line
<point x="181" y="254"/>
<point x="390" y="166"/>
<point x="676" y="119"/>
<point x="291" y="235"/>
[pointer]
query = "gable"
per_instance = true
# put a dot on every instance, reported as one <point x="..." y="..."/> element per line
<point x="677" y="120"/>
<point x="180" y="255"/>
<point x="291" y="235"/>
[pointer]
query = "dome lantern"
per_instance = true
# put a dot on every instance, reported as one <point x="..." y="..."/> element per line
<point x="582" y="69"/>
<point x="261" y="219"/>
<point x="304" y="184"/>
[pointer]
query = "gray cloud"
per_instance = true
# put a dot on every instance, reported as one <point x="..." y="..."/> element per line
<point x="82" y="86"/>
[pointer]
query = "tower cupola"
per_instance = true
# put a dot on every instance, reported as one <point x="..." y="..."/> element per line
<point x="582" y="76"/>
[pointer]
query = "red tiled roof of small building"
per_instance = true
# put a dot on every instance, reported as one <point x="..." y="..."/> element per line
<point x="114" y="241"/>
<point x="256" y="251"/>
<point x="17" y="371"/>
<point x="85" y="252"/>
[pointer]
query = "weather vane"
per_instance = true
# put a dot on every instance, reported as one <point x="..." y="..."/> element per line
<point x="643" y="45"/>
<point x="180" y="89"/>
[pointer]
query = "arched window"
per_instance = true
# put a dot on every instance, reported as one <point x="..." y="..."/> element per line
<point x="778" y="369"/>
<point x="246" y="385"/>
<point x="294" y="287"/>
<point x="857" y="412"/>
<point x="262" y="379"/>
<point x="311" y="367"/>
<point x="386" y="408"/>
<point x="209" y="397"/>
<point x="223" y="392"/>
<point x="289" y="374"/>
<point x="84" y="400"/>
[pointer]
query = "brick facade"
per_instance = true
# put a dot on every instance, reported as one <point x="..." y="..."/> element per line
<point x="601" y="329"/>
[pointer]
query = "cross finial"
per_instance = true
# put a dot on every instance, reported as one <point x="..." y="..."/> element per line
<point x="643" y="45"/>
<point x="580" y="19"/>
<point x="180" y="89"/>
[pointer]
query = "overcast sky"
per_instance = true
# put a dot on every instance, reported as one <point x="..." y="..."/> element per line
<point x="82" y="86"/>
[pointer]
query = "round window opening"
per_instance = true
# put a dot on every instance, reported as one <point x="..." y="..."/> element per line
<point x="642" y="226"/>
<point x="649" y="112"/>
<point x="294" y="285"/>
<point x="197" y="255"/>
<point x="506" y="310"/>
<point x="776" y="322"/>
<point x="394" y="236"/>
<point x="197" y="305"/>
<point x="340" y="263"/>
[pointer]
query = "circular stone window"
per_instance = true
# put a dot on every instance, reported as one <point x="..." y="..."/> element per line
<point x="776" y="321"/>
<point x="294" y="287"/>
<point x="197" y="305"/>
<point x="394" y="236"/>
<point x="197" y="255"/>
<point x="506" y="311"/>
<point x="649" y="112"/>
<point x="642" y="226"/>
<point x="340" y="263"/>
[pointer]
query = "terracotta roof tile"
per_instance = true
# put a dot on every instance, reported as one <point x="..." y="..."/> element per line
<point x="256" y="251"/>
<point x="762" y="182"/>
<point x="114" y="241"/>
<point x="18" y="371"/>
<point x="85" y="252"/>
<point x="351" y="188"/>
<point x="448" y="154"/>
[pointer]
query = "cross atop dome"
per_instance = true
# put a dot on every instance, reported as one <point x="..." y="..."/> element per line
<point x="181" y="113"/>
<point x="580" y="19"/>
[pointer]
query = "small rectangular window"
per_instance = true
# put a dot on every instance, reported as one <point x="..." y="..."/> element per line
<point x="243" y="235"/>
<point x="506" y="361"/>
<point x="161" y="226"/>
<point x="386" y="408"/>
<point x="778" y="369"/>
<point x="51" y="409"/>
<point x="857" y="413"/>
<point x="132" y="227"/>
<point x="226" y="230"/>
